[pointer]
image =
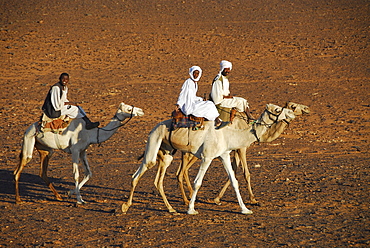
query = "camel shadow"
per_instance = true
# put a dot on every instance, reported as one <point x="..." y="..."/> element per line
<point x="34" y="188"/>
<point x="31" y="186"/>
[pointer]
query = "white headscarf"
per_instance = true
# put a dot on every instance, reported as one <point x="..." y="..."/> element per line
<point x="225" y="64"/>
<point x="191" y="71"/>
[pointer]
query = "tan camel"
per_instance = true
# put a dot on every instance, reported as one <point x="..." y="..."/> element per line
<point x="207" y="144"/>
<point x="75" y="139"/>
<point x="240" y="155"/>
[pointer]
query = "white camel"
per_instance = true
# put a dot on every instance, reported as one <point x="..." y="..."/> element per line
<point x="206" y="144"/>
<point x="75" y="139"/>
<point x="240" y="154"/>
<point x="240" y="122"/>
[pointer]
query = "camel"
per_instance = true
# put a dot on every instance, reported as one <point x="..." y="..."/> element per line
<point x="207" y="144"/>
<point x="75" y="139"/>
<point x="240" y="155"/>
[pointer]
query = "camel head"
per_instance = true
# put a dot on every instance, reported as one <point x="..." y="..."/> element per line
<point x="277" y="118"/>
<point x="274" y="113"/>
<point x="126" y="111"/>
<point x="298" y="109"/>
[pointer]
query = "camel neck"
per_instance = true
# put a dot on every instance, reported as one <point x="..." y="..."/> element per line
<point x="106" y="132"/>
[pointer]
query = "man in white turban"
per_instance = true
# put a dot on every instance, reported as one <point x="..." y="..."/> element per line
<point x="189" y="103"/>
<point x="220" y="92"/>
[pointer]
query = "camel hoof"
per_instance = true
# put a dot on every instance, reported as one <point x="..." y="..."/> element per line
<point x="193" y="212"/>
<point x="172" y="211"/>
<point x="217" y="201"/>
<point x="256" y="203"/>
<point x="19" y="202"/>
<point x="125" y="208"/>
<point x="59" y="198"/>
<point x="247" y="211"/>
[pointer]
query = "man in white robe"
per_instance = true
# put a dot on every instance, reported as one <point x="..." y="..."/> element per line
<point x="220" y="92"/>
<point x="189" y="103"/>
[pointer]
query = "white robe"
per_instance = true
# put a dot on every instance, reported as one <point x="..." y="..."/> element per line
<point x="220" y="88"/>
<point x="58" y="103"/>
<point x="190" y="103"/>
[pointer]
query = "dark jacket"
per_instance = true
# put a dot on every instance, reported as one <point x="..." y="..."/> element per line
<point x="48" y="106"/>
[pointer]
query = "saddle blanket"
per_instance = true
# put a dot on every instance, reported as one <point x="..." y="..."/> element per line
<point x="179" y="120"/>
<point x="55" y="125"/>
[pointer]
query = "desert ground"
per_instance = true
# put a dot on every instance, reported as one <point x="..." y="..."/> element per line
<point x="312" y="182"/>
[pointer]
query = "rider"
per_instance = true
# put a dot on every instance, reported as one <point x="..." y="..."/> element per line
<point x="57" y="104"/>
<point x="220" y="93"/>
<point x="191" y="104"/>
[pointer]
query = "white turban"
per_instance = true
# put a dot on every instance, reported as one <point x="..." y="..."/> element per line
<point x="225" y="64"/>
<point x="191" y="71"/>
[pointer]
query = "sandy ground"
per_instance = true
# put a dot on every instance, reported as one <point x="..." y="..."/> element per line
<point x="312" y="182"/>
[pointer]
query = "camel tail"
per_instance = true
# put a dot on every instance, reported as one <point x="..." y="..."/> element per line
<point x="153" y="145"/>
<point x="28" y="144"/>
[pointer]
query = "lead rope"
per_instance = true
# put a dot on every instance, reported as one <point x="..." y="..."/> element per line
<point x="115" y="116"/>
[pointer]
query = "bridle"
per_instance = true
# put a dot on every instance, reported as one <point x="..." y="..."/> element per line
<point x="263" y="123"/>
<point x="121" y="125"/>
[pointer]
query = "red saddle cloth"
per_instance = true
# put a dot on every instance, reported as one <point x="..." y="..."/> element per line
<point x="55" y="125"/>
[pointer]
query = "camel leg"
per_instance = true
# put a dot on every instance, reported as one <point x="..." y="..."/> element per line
<point x="17" y="173"/>
<point x="186" y="173"/>
<point x="235" y="165"/>
<point x="187" y="161"/>
<point x="24" y="157"/>
<point x="158" y="182"/>
<point x="198" y="183"/>
<point x="240" y="157"/>
<point x="76" y="176"/>
<point x="87" y="176"/>
<point x="45" y="156"/>
<point x="234" y="182"/>
<point x="135" y="180"/>
<point x="247" y="175"/>
<point x="180" y="180"/>
<point x="217" y="200"/>
<point x="150" y="157"/>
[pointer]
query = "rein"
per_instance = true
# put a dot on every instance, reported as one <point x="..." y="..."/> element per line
<point x="266" y="124"/>
<point x="169" y="139"/>
<point x="121" y="125"/>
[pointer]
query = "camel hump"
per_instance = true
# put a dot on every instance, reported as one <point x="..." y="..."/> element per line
<point x="55" y="125"/>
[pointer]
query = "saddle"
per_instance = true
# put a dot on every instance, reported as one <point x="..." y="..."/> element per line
<point x="54" y="125"/>
<point x="226" y="114"/>
<point x="180" y="120"/>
